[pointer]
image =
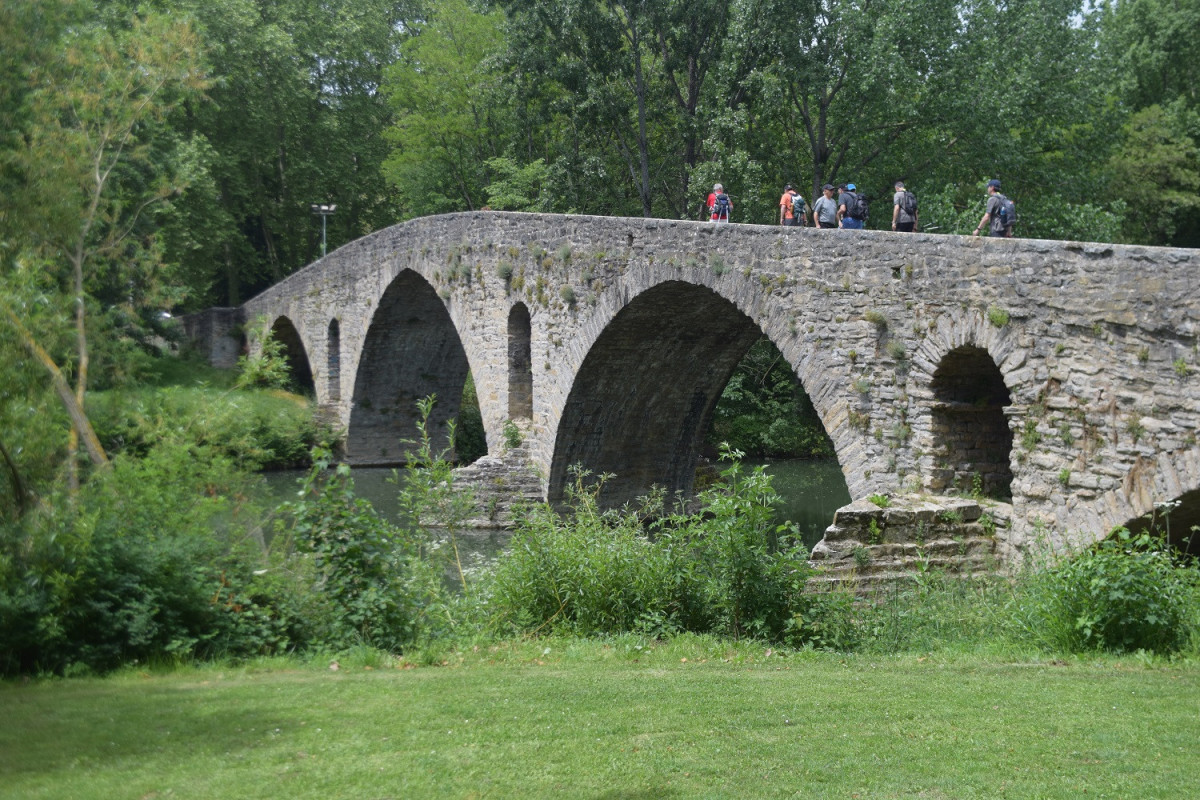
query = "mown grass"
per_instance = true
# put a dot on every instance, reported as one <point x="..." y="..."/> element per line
<point x="627" y="717"/>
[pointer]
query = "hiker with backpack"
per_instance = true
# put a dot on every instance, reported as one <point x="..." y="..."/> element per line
<point x="852" y="208"/>
<point x="825" y="209"/>
<point x="719" y="204"/>
<point x="999" y="214"/>
<point x="792" y="208"/>
<point x="904" y="210"/>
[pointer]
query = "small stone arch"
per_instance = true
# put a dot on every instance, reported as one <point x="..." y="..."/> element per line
<point x="960" y="368"/>
<point x="333" y="349"/>
<point x="294" y="352"/>
<point x="973" y="441"/>
<point x="520" y="363"/>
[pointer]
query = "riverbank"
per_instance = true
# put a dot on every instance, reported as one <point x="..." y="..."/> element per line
<point x="625" y="717"/>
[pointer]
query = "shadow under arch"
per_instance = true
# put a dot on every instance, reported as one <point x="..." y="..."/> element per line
<point x="1178" y="521"/>
<point x="643" y="398"/>
<point x="284" y="332"/>
<point x="333" y="369"/>
<point x="411" y="350"/>
<point x="971" y="433"/>
<point x="520" y="363"/>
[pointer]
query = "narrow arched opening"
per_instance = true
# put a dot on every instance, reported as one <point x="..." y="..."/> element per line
<point x="334" y="361"/>
<point x="972" y="438"/>
<point x="284" y="332"/>
<point x="520" y="364"/>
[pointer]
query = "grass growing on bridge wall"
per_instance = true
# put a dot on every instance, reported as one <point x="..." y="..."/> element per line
<point x="625" y="717"/>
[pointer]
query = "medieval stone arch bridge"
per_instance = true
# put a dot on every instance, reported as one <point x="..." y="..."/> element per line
<point x="1060" y="378"/>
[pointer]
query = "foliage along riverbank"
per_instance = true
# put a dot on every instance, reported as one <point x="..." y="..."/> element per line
<point x="165" y="556"/>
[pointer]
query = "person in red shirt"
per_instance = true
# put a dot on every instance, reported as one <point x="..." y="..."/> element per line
<point x="719" y="204"/>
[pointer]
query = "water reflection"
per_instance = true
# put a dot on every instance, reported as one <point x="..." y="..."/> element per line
<point x="811" y="492"/>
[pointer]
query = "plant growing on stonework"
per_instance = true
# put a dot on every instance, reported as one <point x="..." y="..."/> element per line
<point x="269" y="368"/>
<point x="874" y="531"/>
<point x="1030" y="436"/>
<point x="881" y="500"/>
<point x="568" y="295"/>
<point x="512" y="435"/>
<point x="1134" y="428"/>
<point x="876" y="318"/>
<point x="997" y="316"/>
<point x="1181" y="367"/>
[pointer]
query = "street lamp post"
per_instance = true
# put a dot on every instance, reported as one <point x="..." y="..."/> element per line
<point x="324" y="210"/>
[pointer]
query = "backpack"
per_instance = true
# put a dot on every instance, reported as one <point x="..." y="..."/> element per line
<point x="722" y="206"/>
<point x="1007" y="211"/>
<point x="797" y="206"/>
<point x="856" y="206"/>
<point x="908" y="204"/>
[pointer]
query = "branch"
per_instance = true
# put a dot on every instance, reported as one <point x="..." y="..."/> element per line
<point x="14" y="478"/>
<point x="79" y="419"/>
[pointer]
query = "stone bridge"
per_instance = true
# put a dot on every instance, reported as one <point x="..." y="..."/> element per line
<point x="1057" y="378"/>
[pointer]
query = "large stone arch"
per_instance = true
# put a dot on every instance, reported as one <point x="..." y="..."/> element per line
<point x="642" y="399"/>
<point x="1152" y="482"/>
<point x="411" y="350"/>
<point x="284" y="331"/>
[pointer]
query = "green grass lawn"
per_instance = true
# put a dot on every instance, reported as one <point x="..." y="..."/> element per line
<point x="693" y="718"/>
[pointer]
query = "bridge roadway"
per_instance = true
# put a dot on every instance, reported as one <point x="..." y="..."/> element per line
<point x="1059" y="378"/>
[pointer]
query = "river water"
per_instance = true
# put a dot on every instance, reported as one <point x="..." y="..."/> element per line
<point x="810" y="490"/>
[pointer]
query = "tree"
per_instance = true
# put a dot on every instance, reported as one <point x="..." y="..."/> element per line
<point x="445" y="129"/>
<point x="91" y="166"/>
<point x="1157" y="172"/>
<point x="295" y="116"/>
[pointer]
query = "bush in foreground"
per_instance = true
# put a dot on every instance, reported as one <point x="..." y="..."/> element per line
<point x="154" y="560"/>
<point x="725" y="569"/>
<point x="1126" y="593"/>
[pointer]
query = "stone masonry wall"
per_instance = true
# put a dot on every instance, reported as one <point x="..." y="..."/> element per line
<point x="1096" y="345"/>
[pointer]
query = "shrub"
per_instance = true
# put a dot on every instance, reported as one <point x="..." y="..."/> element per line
<point x="269" y="369"/>
<point x="155" y="560"/>
<point x="725" y="569"/>
<point x="378" y="590"/>
<point x="1126" y="593"/>
<point x="257" y="428"/>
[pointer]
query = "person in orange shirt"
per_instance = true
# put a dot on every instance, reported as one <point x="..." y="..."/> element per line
<point x="792" y="209"/>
